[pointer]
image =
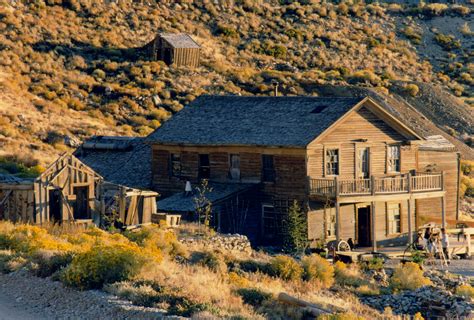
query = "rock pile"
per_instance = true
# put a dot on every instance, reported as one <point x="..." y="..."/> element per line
<point x="432" y="302"/>
<point x="226" y="242"/>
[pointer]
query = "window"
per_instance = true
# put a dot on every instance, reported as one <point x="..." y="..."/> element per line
<point x="268" y="168"/>
<point x="331" y="223"/>
<point x="393" y="159"/>
<point x="204" y="167"/>
<point x="175" y="165"/>
<point x="332" y="162"/>
<point x="270" y="225"/>
<point x="393" y="218"/>
<point x="234" y="171"/>
<point x="363" y="162"/>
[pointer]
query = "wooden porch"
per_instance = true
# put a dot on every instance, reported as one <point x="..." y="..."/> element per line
<point x="376" y="185"/>
<point x="400" y="187"/>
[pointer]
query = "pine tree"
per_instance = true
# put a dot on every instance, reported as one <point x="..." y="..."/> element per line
<point x="296" y="230"/>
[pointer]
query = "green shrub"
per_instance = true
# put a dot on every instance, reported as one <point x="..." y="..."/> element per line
<point x="255" y="266"/>
<point x="208" y="259"/>
<point x="318" y="269"/>
<point x="412" y="89"/>
<point x="10" y="262"/>
<point x="408" y="276"/>
<point x="295" y="230"/>
<point x="447" y="42"/>
<point x="101" y="265"/>
<point x="373" y="264"/>
<point x="286" y="268"/>
<point x="253" y="297"/>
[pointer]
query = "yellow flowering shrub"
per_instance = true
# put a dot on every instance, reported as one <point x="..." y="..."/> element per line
<point x="466" y="291"/>
<point x="408" y="276"/>
<point x="237" y="280"/>
<point x="104" y="264"/>
<point x="286" y="268"/>
<point x="316" y="268"/>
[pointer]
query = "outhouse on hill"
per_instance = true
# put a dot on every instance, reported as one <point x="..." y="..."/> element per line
<point x="177" y="49"/>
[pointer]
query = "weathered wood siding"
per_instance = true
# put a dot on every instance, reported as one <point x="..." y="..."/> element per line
<point x="290" y="169"/>
<point x="348" y="136"/>
<point x="440" y="161"/>
<point x="188" y="57"/>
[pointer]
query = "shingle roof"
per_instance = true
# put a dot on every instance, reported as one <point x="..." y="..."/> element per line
<point x="265" y="121"/>
<point x="179" y="202"/>
<point x="121" y="160"/>
<point x="179" y="40"/>
<point x="437" y="143"/>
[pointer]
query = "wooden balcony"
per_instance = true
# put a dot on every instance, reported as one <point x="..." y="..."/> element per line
<point x="377" y="185"/>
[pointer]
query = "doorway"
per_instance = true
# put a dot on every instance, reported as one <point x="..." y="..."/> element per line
<point x="81" y="207"/>
<point x="363" y="227"/>
<point x="55" y="205"/>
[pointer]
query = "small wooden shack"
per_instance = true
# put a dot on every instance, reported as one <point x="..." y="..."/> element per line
<point x="128" y="205"/>
<point x="177" y="49"/>
<point x="66" y="190"/>
<point x="69" y="190"/>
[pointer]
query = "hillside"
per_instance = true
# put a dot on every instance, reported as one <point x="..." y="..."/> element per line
<point x="74" y="68"/>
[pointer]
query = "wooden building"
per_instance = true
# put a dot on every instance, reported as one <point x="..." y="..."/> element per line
<point x="177" y="49"/>
<point x="65" y="191"/>
<point x="359" y="172"/>
<point x="69" y="190"/>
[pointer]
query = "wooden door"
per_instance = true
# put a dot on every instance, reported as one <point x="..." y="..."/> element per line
<point x="363" y="226"/>
<point x="55" y="205"/>
<point x="81" y="207"/>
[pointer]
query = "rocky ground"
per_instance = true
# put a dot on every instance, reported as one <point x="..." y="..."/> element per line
<point x="26" y="297"/>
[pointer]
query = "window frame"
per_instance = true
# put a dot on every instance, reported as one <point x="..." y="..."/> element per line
<point x="358" y="162"/>
<point x="389" y="158"/>
<point x="338" y="168"/>
<point x="172" y="161"/>
<point x="269" y="173"/>
<point x="391" y="221"/>
<point x="201" y="167"/>
<point x="231" y="156"/>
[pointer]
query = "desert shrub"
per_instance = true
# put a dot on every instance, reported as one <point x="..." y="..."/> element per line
<point x="347" y="276"/>
<point x="434" y="9"/>
<point x="408" y="276"/>
<point x="318" y="269"/>
<point x="255" y="266"/>
<point x="237" y="280"/>
<point x="209" y="259"/>
<point x="141" y="294"/>
<point x="226" y="30"/>
<point x="340" y="316"/>
<point x="286" y="268"/>
<point x="10" y="261"/>
<point x="460" y="10"/>
<point x="467" y="186"/>
<point x="364" y="76"/>
<point x="412" y="89"/>
<point x="447" y="42"/>
<point x="366" y="290"/>
<point x="103" y="264"/>
<point x="253" y="297"/>
<point x="466" y="291"/>
<point x="47" y="262"/>
<point x="373" y="264"/>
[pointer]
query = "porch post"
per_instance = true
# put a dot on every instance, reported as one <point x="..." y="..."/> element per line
<point x="372" y="226"/>
<point x="410" y="227"/>
<point x="338" y="222"/>
<point x="443" y="211"/>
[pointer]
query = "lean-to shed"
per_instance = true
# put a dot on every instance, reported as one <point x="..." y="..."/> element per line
<point x="177" y="49"/>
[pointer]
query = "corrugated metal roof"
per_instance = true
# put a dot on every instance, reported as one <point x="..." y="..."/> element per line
<point x="265" y="121"/>
<point x="179" y="40"/>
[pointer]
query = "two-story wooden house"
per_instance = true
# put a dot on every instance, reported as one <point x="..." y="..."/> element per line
<point x="359" y="172"/>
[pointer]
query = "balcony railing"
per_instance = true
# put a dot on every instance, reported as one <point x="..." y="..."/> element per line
<point x="402" y="183"/>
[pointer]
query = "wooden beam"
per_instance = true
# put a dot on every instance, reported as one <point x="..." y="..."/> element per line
<point x="338" y="221"/>
<point x="410" y="227"/>
<point x="392" y="197"/>
<point x="443" y="211"/>
<point x="372" y="226"/>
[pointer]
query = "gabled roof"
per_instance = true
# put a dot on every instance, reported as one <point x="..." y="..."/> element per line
<point x="121" y="160"/>
<point x="179" y="40"/>
<point x="259" y="121"/>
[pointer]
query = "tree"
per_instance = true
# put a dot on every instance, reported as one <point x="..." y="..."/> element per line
<point x="295" y="229"/>
<point x="202" y="204"/>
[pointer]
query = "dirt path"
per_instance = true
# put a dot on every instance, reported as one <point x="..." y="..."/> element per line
<point x="25" y="297"/>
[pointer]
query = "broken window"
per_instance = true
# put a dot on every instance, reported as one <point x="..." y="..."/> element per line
<point x="268" y="168"/>
<point x="175" y="165"/>
<point x="332" y="162"/>
<point x="393" y="218"/>
<point x="234" y="170"/>
<point x="393" y="158"/>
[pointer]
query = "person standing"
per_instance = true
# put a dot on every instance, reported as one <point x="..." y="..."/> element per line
<point x="445" y="243"/>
